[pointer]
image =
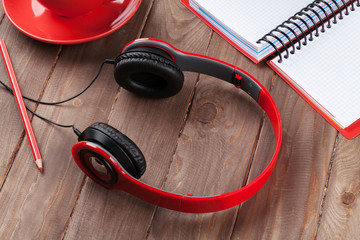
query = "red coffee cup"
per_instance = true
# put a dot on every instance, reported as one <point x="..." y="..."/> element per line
<point x="71" y="8"/>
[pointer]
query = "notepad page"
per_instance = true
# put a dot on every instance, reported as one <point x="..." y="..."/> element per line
<point x="327" y="70"/>
<point x="252" y="19"/>
<point x="245" y="22"/>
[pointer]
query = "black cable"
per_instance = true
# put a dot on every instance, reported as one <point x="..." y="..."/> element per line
<point x="66" y="100"/>
<point x="48" y="120"/>
<point x="76" y="131"/>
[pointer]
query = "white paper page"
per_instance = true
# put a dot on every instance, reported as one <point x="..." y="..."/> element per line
<point x="328" y="69"/>
<point x="252" y="19"/>
<point x="245" y="22"/>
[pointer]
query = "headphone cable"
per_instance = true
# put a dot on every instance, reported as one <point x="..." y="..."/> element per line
<point x="110" y="61"/>
<point x="76" y="131"/>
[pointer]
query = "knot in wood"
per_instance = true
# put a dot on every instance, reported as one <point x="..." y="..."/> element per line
<point x="348" y="198"/>
<point x="206" y="113"/>
<point x="77" y="102"/>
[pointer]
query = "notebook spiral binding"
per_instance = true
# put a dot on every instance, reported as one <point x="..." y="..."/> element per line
<point x="315" y="7"/>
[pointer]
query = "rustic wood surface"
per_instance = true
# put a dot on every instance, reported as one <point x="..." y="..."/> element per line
<point x="208" y="139"/>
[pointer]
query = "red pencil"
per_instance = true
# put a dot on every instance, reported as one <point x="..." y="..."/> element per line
<point x="21" y="105"/>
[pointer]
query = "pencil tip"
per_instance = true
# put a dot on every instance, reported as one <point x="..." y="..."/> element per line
<point x="39" y="164"/>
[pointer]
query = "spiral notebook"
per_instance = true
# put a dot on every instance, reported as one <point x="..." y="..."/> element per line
<point x="256" y="28"/>
<point x="315" y="44"/>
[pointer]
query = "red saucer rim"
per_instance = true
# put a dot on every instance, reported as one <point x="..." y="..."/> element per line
<point x="69" y="41"/>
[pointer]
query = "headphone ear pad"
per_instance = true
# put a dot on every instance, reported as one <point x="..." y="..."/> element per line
<point x="148" y="74"/>
<point x="117" y="143"/>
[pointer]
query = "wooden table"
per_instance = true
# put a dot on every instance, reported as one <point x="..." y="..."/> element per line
<point x="208" y="139"/>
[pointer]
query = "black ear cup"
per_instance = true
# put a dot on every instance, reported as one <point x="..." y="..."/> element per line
<point x="148" y="74"/>
<point x="123" y="149"/>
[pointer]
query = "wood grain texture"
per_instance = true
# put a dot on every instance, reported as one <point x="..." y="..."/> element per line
<point x="39" y="206"/>
<point x="341" y="214"/>
<point x="288" y="206"/>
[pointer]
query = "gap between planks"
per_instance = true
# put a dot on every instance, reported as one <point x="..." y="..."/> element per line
<point x="326" y="186"/>
<point x="2" y="18"/>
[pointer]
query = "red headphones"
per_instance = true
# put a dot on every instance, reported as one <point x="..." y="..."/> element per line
<point x="153" y="68"/>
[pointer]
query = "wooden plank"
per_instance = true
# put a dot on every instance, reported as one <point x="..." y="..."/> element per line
<point x="289" y="204"/>
<point x="214" y="150"/>
<point x="39" y="206"/>
<point x="153" y="125"/>
<point x="341" y="215"/>
<point x="2" y="14"/>
<point x="32" y="62"/>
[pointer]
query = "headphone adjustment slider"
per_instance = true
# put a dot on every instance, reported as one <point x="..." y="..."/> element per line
<point x="237" y="80"/>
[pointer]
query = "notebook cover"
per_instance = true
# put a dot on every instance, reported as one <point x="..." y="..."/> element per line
<point x="186" y="3"/>
<point x="349" y="132"/>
